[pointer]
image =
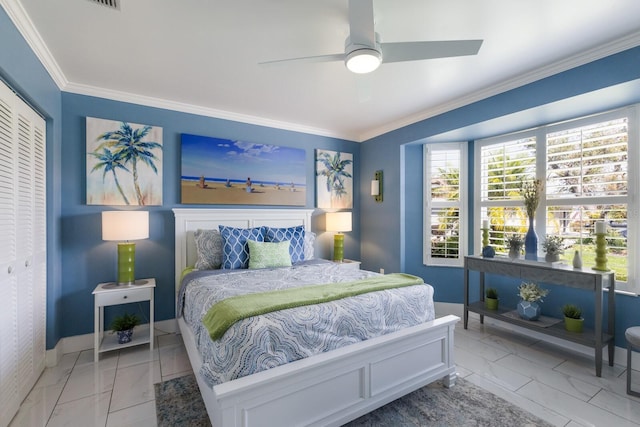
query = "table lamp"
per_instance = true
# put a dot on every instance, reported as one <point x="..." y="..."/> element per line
<point x="124" y="226"/>
<point x="338" y="222"/>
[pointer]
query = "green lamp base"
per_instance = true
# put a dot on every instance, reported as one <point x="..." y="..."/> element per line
<point x="126" y="263"/>
<point x="601" y="253"/>
<point x="338" y="247"/>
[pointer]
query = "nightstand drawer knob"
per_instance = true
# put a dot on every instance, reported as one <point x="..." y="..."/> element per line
<point x="125" y="297"/>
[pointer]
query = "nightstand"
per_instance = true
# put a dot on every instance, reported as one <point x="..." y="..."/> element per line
<point x="349" y="263"/>
<point x="106" y="294"/>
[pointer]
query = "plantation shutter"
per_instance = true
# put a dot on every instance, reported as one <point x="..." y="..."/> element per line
<point x="445" y="209"/>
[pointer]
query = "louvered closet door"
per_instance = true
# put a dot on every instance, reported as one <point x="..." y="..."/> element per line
<point x="30" y="129"/>
<point x="9" y="395"/>
<point x="22" y="252"/>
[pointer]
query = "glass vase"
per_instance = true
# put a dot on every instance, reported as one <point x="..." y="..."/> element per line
<point x="531" y="242"/>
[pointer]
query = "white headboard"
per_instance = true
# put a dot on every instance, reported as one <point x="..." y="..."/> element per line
<point x="190" y="220"/>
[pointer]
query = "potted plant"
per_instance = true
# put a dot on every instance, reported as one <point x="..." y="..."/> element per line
<point x="515" y="242"/>
<point x="530" y="298"/>
<point x="573" y="320"/>
<point x="124" y="325"/>
<point x="491" y="300"/>
<point x="553" y="246"/>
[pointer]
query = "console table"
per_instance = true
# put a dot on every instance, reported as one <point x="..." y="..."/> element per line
<point x="563" y="275"/>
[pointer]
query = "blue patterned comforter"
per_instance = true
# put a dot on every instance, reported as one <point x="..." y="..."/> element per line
<point x="263" y="342"/>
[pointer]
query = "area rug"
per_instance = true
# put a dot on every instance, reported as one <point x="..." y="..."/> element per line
<point x="178" y="403"/>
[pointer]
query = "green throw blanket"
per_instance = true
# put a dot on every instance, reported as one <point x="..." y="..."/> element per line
<point x="225" y="313"/>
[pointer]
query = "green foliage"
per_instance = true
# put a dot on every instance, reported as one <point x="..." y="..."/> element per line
<point x="124" y="322"/>
<point x="531" y="292"/>
<point x="531" y="192"/>
<point x="553" y="244"/>
<point x="572" y="311"/>
<point x="515" y="241"/>
<point x="447" y="248"/>
<point x="492" y="293"/>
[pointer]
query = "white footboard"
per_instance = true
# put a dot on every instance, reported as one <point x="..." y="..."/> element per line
<point x="335" y="387"/>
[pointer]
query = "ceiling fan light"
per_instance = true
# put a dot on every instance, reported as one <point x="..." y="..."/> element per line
<point x="363" y="61"/>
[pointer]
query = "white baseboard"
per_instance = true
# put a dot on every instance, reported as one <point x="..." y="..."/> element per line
<point x="619" y="356"/>
<point x="85" y="342"/>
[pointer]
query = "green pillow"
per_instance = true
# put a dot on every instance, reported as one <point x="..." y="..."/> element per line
<point x="269" y="254"/>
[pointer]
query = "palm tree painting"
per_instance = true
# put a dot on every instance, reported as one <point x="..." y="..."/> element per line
<point x="334" y="179"/>
<point x="124" y="163"/>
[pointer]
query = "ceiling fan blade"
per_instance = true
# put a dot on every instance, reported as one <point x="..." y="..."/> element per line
<point x="415" y="51"/>
<point x="361" y="24"/>
<point x="319" y="58"/>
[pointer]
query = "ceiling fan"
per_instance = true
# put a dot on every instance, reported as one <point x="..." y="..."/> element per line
<point x="364" y="52"/>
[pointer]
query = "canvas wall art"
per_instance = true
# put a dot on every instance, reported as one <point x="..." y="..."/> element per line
<point x="334" y="179"/>
<point x="124" y="163"/>
<point x="224" y="171"/>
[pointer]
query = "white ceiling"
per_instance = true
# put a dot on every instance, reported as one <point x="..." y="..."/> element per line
<point x="202" y="55"/>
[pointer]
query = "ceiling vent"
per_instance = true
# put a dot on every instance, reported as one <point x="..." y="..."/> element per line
<point x="113" y="4"/>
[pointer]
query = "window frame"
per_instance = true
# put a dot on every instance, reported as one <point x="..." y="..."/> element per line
<point x="632" y="199"/>
<point x="461" y="204"/>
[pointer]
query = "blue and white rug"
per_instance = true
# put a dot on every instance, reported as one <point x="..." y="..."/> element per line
<point x="178" y="403"/>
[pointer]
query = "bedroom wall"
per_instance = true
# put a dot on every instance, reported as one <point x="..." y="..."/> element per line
<point x="22" y="71"/>
<point x="598" y="86"/>
<point x="87" y="260"/>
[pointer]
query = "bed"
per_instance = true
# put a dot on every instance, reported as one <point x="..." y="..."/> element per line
<point x="330" y="388"/>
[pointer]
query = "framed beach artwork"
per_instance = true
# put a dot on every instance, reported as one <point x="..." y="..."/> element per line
<point x="124" y="163"/>
<point x="224" y="171"/>
<point x="334" y="179"/>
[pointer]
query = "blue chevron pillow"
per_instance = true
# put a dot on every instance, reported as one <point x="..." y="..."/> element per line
<point x="235" y="251"/>
<point x="294" y="234"/>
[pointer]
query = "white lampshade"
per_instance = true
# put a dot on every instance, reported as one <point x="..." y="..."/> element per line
<point x="363" y="61"/>
<point x="338" y="221"/>
<point x="125" y="225"/>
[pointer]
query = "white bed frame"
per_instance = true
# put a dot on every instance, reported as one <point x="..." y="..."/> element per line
<point x="323" y="390"/>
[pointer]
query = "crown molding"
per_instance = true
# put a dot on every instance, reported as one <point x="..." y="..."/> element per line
<point x="198" y="110"/>
<point x="25" y="26"/>
<point x="617" y="46"/>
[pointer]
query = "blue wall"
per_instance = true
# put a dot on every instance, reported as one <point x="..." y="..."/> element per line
<point x="390" y="233"/>
<point x="22" y="70"/>
<point x="87" y="260"/>
<point x="599" y="86"/>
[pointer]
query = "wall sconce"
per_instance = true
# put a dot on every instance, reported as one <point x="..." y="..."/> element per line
<point x="124" y="226"/>
<point x="339" y="222"/>
<point x="376" y="186"/>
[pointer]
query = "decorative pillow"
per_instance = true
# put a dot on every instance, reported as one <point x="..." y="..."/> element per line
<point x="269" y="254"/>
<point x="235" y="252"/>
<point x="309" y="240"/>
<point x="294" y="234"/>
<point x="209" y="249"/>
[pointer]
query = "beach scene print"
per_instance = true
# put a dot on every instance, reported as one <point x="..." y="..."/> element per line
<point x="124" y="163"/>
<point x="224" y="171"/>
<point x="334" y="179"/>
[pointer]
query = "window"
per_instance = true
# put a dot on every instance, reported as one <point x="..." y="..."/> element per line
<point x="445" y="240"/>
<point x="589" y="169"/>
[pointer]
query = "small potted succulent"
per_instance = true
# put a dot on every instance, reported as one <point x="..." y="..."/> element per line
<point x="573" y="320"/>
<point x="553" y="246"/>
<point x="530" y="298"/>
<point x="124" y="325"/>
<point x="491" y="300"/>
<point x="515" y="243"/>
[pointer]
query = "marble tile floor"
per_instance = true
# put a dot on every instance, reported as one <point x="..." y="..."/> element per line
<point x="551" y="382"/>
